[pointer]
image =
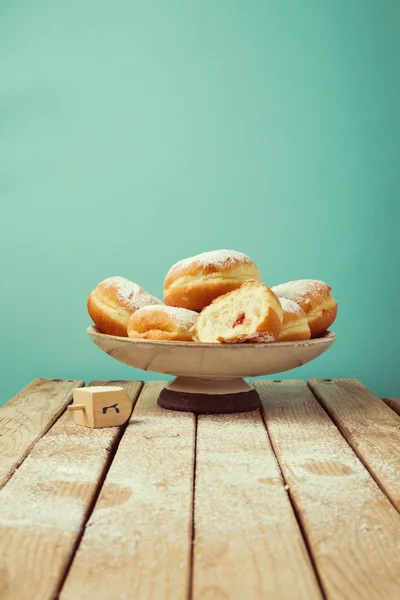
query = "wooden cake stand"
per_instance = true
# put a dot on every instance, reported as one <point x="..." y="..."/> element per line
<point x="209" y="377"/>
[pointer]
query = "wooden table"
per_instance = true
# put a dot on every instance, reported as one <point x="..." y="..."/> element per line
<point x="300" y="500"/>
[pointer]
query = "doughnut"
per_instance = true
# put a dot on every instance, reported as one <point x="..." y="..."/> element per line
<point x="195" y="282"/>
<point x="162" y="323"/>
<point x="314" y="297"/>
<point x="113" y="301"/>
<point x="251" y="313"/>
<point x="294" y="324"/>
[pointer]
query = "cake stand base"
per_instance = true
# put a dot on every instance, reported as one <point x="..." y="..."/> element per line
<point x="210" y="396"/>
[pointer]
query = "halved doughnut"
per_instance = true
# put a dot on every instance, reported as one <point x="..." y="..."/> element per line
<point x="251" y="313"/>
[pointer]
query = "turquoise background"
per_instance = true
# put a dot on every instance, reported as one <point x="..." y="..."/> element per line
<point x="133" y="134"/>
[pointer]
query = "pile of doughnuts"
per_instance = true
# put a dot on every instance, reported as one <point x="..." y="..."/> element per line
<point x="214" y="297"/>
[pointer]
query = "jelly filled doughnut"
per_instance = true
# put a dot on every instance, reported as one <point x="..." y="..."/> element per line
<point x="162" y="323"/>
<point x="294" y="324"/>
<point x="195" y="282"/>
<point x="314" y="297"/>
<point x="251" y="313"/>
<point x="113" y="301"/>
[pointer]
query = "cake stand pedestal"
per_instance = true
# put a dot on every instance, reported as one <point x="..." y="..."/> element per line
<point x="209" y="395"/>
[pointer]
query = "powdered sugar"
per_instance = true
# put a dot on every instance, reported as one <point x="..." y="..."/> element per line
<point x="218" y="258"/>
<point x="51" y="487"/>
<point x="41" y="504"/>
<point x="299" y="290"/>
<point x="239" y="490"/>
<point x="182" y="315"/>
<point x="146" y="500"/>
<point x="288" y="306"/>
<point x="131" y="294"/>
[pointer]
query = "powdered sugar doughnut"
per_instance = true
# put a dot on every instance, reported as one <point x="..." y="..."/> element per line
<point x="113" y="301"/>
<point x="162" y="323"/>
<point x="251" y="313"/>
<point x="294" y="324"/>
<point x="314" y="297"/>
<point x="195" y="282"/>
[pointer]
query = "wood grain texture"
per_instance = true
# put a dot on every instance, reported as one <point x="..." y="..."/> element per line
<point x="25" y="418"/>
<point x="137" y="543"/>
<point x="247" y="540"/>
<point x="353" y="530"/>
<point x="370" y="427"/>
<point x="394" y="404"/>
<point x="44" y="505"/>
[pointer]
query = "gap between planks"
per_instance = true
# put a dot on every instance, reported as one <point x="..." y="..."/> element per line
<point x="295" y="511"/>
<point x="27" y="417"/>
<point x="193" y="524"/>
<point x="370" y="427"/>
<point x="44" y="506"/>
<point x="380" y="531"/>
<point x="394" y="404"/>
<point x="353" y="530"/>
<point x="137" y="541"/>
<point x="247" y="540"/>
<point x="141" y="532"/>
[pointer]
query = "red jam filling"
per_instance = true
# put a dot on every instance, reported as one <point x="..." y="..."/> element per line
<point x="239" y="320"/>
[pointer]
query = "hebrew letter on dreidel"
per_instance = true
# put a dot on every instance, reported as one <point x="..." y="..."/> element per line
<point x="105" y="408"/>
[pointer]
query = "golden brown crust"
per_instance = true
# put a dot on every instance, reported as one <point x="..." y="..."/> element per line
<point x="198" y="294"/>
<point x="162" y="323"/>
<point x="194" y="283"/>
<point x="107" y="320"/>
<point x="320" y="321"/>
<point x="197" y="269"/>
<point x="113" y="301"/>
<point x="294" y="325"/>
<point x="315" y="299"/>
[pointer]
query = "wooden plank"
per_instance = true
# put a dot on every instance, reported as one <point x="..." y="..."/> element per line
<point x="45" y="504"/>
<point x="27" y="417"/>
<point x="394" y="404"/>
<point x="247" y="540"/>
<point x="137" y="543"/>
<point x="353" y="530"/>
<point x="370" y="427"/>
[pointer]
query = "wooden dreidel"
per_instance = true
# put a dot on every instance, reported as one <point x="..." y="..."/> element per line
<point x="101" y="406"/>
